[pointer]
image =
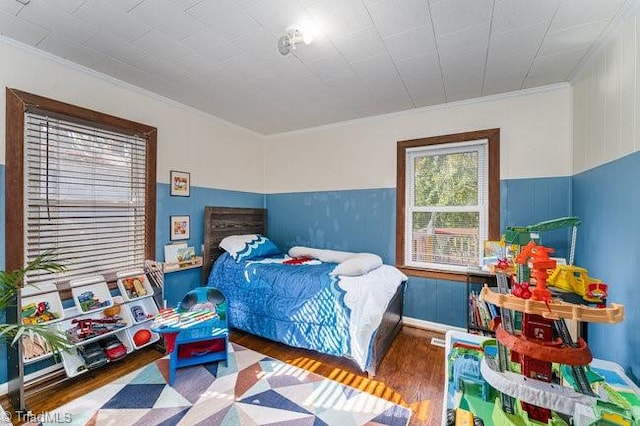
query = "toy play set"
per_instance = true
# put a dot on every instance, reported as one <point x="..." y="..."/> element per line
<point x="534" y="372"/>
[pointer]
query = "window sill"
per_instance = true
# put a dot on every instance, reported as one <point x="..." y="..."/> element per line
<point x="433" y="273"/>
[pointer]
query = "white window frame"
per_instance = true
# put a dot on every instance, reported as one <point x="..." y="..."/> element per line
<point x="481" y="147"/>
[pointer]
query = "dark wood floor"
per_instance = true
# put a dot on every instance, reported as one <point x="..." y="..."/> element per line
<point x="412" y="372"/>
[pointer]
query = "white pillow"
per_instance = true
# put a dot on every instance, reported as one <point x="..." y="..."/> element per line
<point x="358" y="265"/>
<point x="328" y="256"/>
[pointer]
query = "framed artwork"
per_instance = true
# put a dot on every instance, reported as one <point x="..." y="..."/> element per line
<point x="180" y="183"/>
<point x="178" y="228"/>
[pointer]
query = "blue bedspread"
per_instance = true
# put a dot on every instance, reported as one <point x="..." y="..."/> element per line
<point x="300" y="305"/>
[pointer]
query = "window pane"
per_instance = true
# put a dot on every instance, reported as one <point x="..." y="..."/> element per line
<point x="446" y="179"/>
<point x="85" y="197"/>
<point x="445" y="238"/>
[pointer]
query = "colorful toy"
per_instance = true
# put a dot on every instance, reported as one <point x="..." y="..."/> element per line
<point x="134" y="286"/>
<point x="196" y="332"/>
<point x="87" y="328"/>
<point x="576" y="280"/>
<point x="113" y="348"/>
<point x="88" y="302"/>
<point x="37" y="313"/>
<point x="540" y="262"/>
<point x="142" y="337"/>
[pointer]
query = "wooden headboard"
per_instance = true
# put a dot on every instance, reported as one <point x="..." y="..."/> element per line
<point x="220" y="222"/>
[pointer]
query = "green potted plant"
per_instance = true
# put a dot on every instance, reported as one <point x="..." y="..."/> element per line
<point x="10" y="284"/>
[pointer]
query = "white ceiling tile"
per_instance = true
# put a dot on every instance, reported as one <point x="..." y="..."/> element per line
<point x="390" y="88"/>
<point x="246" y="3"/>
<point x="578" y="12"/>
<point x="101" y="14"/>
<point x="127" y="5"/>
<point x="21" y="30"/>
<point x="573" y="38"/>
<point x="473" y="39"/>
<point x="71" y="6"/>
<point x="167" y="18"/>
<point x="360" y="44"/>
<point x="211" y="45"/>
<point x="336" y="18"/>
<point x="259" y="44"/>
<point x="121" y="71"/>
<point x="242" y="66"/>
<point x="329" y="67"/>
<point x="305" y="3"/>
<point x="554" y="68"/>
<point x="411" y="43"/>
<point x="526" y="39"/>
<point x="159" y="67"/>
<point x="396" y="16"/>
<point x="41" y="13"/>
<point x="70" y="50"/>
<point x="318" y="49"/>
<point x="509" y="62"/>
<point x="494" y="84"/>
<point x="510" y="15"/>
<point x="464" y="64"/>
<point x="456" y="15"/>
<point x="463" y="87"/>
<point x="185" y="4"/>
<point x="224" y="17"/>
<point x="373" y="67"/>
<point x="10" y="7"/>
<point x="279" y="15"/>
<point x="416" y="67"/>
<point x="425" y="89"/>
<point x="352" y="90"/>
<point x="115" y="47"/>
<point x="163" y="46"/>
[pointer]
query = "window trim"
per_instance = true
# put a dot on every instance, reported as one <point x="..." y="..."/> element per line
<point x="17" y="103"/>
<point x="493" y="138"/>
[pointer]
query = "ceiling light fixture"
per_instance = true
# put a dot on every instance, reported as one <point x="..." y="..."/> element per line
<point x="288" y="42"/>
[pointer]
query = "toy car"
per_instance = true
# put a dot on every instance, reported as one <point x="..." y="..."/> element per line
<point x="93" y="355"/>
<point x="113" y="348"/>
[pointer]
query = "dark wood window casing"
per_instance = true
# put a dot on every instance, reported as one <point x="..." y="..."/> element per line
<point x="19" y="102"/>
<point x="493" y="138"/>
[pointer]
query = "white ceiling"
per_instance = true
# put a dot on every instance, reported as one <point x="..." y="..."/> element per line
<point x="369" y="57"/>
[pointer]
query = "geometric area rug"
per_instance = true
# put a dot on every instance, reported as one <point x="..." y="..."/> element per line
<point x="252" y="390"/>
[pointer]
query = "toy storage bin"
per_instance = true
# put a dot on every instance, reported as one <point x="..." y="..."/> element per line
<point x="131" y="332"/>
<point x="134" y="284"/>
<point x="33" y="298"/>
<point x="142" y="310"/>
<point x="95" y="288"/>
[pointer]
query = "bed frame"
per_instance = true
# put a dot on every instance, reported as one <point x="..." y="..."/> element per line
<point x="220" y="222"/>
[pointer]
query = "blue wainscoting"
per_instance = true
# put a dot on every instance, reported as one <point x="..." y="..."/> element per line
<point x="178" y="283"/>
<point x="364" y="220"/>
<point x="608" y="201"/>
<point x="355" y="220"/>
<point x="529" y="201"/>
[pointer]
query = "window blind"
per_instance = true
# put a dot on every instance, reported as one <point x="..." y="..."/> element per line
<point x="446" y="219"/>
<point x="84" y="197"/>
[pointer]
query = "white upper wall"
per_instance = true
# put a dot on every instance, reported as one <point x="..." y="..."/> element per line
<point x="535" y="141"/>
<point x="605" y="97"/>
<point x="216" y="153"/>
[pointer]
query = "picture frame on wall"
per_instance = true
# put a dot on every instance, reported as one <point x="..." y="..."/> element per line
<point x="179" y="227"/>
<point x="180" y="183"/>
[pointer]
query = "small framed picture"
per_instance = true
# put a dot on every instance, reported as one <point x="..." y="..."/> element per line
<point x="178" y="228"/>
<point x="180" y="183"/>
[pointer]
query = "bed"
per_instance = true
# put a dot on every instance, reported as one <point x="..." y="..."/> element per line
<point x="221" y="271"/>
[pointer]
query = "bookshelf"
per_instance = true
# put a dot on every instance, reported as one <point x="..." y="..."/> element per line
<point x="479" y="313"/>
